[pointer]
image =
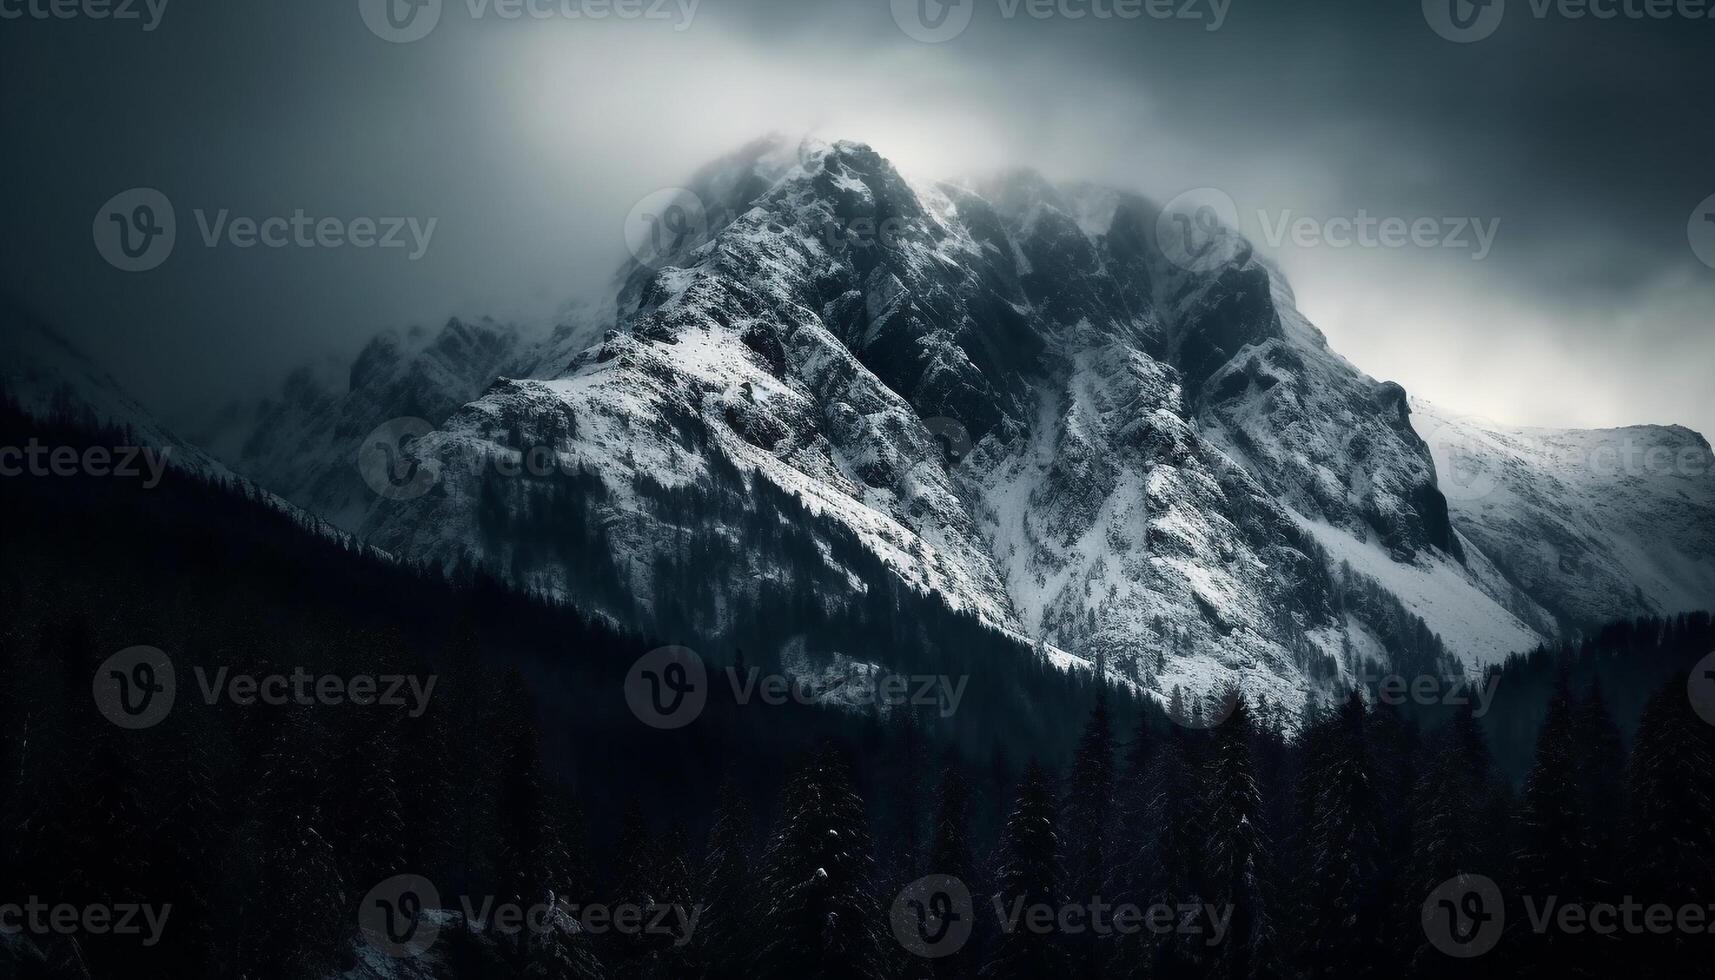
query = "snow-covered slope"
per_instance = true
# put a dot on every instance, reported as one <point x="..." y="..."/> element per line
<point x="1597" y="524"/>
<point x="1459" y="599"/>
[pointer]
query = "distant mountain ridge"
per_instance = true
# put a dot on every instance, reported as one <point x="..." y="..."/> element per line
<point x="47" y="376"/>
<point x="1597" y="524"/>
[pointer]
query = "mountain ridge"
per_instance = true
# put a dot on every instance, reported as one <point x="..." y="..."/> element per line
<point x="1016" y="399"/>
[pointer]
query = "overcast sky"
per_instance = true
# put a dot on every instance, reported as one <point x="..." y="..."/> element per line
<point x="1585" y="146"/>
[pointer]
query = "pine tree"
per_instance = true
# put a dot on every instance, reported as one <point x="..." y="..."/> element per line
<point x="723" y="932"/>
<point x="1395" y="749"/>
<point x="196" y="825"/>
<point x="673" y="888"/>
<point x="15" y="723"/>
<point x="1601" y="773"/>
<point x="564" y="952"/>
<point x="905" y="817"/>
<point x="950" y="845"/>
<point x="107" y="851"/>
<point x="950" y="854"/>
<point x="1554" y="856"/>
<point x="1671" y="849"/>
<point x="288" y="903"/>
<point x="818" y="917"/>
<point x="1130" y="874"/>
<point x="1029" y="877"/>
<point x="1089" y="810"/>
<point x="522" y="873"/>
<point x="1241" y="860"/>
<point x="1459" y="811"/>
<point x="1168" y="867"/>
<point x="1341" y="878"/>
<point x="364" y="802"/>
<point x="636" y="858"/>
<point x="466" y="765"/>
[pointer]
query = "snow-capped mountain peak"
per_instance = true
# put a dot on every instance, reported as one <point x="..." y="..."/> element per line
<point x="1004" y="392"/>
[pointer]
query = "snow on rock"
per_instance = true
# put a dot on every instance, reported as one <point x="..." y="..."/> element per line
<point x="1007" y="395"/>
<point x="1598" y="524"/>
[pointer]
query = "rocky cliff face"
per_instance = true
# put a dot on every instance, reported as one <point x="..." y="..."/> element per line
<point x="1005" y="393"/>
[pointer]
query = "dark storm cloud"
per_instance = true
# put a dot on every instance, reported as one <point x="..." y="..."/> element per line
<point x="527" y="140"/>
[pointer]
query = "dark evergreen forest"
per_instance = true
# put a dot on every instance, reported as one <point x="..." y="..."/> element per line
<point x="800" y="835"/>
